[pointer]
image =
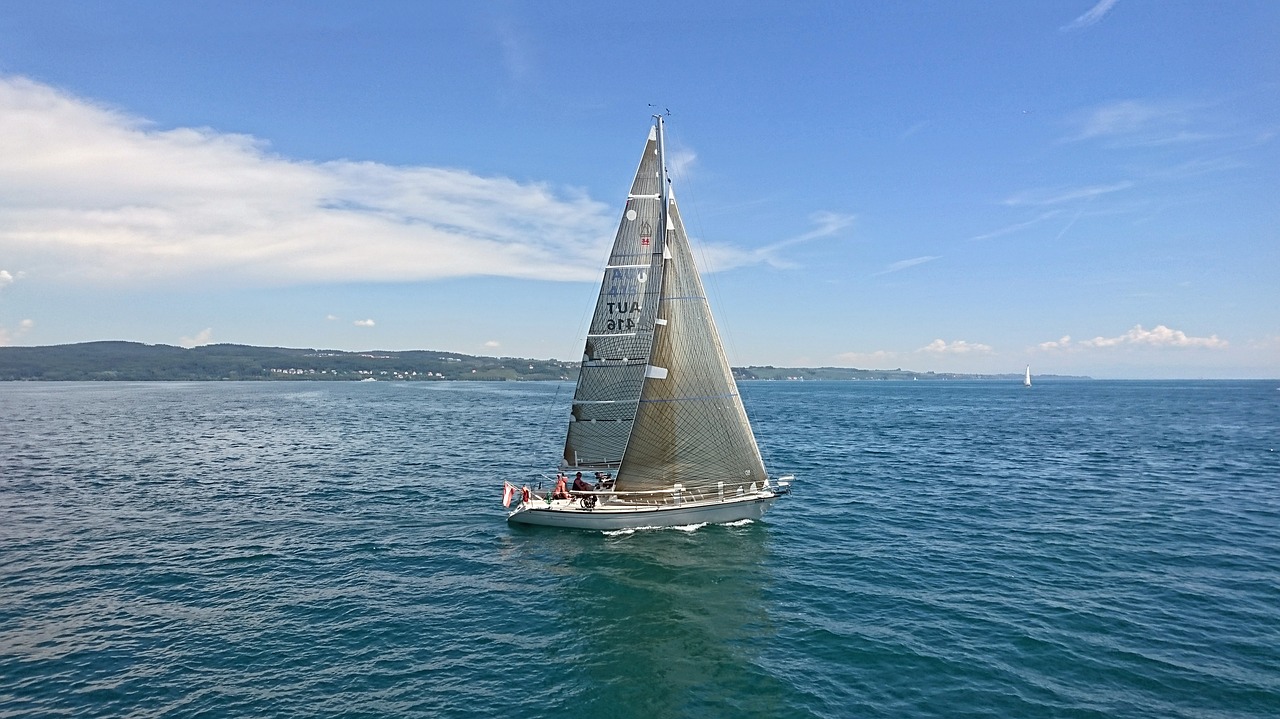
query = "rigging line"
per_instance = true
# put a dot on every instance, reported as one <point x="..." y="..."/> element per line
<point x="579" y="333"/>
<point x="550" y="416"/>
<point x="710" y="281"/>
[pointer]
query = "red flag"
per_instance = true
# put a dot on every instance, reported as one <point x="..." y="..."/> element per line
<point x="508" y="490"/>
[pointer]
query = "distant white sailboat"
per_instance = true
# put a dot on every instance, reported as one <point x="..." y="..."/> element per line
<point x="656" y="401"/>
<point x="1026" y="381"/>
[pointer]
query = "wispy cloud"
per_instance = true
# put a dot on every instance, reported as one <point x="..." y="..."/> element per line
<point x="1159" y="337"/>
<point x="717" y="257"/>
<point x="95" y="195"/>
<point x="1139" y="123"/>
<point x="1094" y="15"/>
<point x="203" y="337"/>
<point x="1069" y="225"/>
<point x="492" y="344"/>
<point x="1196" y="168"/>
<point x="680" y="162"/>
<point x="913" y="129"/>
<point x="1017" y="227"/>
<point x="956" y="347"/>
<point x="7" y="278"/>
<point x="1057" y="196"/>
<point x="364" y="323"/>
<point x="904" y="264"/>
<point x="878" y="359"/>
<point x="516" y="53"/>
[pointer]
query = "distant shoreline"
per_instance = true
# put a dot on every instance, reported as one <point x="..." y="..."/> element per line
<point x="137" y="362"/>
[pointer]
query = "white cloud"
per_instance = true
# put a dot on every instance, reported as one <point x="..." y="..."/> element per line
<point x="203" y="337"/>
<point x="957" y="347"/>
<point x="1158" y="337"/>
<point x="492" y="344"/>
<point x="93" y="194"/>
<point x="332" y="318"/>
<point x="7" y="338"/>
<point x="6" y="278"/>
<point x="364" y="323"/>
<point x="1094" y="15"/>
<point x="904" y="264"/>
<point x="1062" y="343"/>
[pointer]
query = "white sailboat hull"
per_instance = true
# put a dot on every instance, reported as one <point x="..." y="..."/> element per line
<point x="608" y="516"/>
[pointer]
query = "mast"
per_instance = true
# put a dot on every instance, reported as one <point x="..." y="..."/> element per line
<point x="664" y="188"/>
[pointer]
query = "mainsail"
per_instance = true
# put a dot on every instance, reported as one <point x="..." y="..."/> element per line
<point x="621" y="331"/>
<point x="656" y="398"/>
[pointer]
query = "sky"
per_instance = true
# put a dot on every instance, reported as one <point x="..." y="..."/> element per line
<point x="1088" y="188"/>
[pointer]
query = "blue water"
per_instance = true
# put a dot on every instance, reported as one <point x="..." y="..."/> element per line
<point x="953" y="549"/>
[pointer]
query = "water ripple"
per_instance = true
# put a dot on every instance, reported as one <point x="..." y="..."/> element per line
<point x="1081" y="549"/>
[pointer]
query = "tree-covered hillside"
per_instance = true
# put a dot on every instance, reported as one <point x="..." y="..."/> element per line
<point x="133" y="361"/>
<point x="140" y="362"/>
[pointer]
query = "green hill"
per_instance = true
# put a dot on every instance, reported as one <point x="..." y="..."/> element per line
<point x="134" y="361"/>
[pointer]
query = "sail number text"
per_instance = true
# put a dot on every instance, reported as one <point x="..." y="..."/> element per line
<point x="621" y="324"/>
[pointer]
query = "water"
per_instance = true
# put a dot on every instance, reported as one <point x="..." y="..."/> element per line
<point x="1077" y="549"/>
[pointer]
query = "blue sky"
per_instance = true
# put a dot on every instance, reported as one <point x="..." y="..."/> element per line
<point x="1086" y="187"/>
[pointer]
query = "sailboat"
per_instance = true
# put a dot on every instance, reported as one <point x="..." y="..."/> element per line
<point x="657" y="419"/>
<point x="1026" y="381"/>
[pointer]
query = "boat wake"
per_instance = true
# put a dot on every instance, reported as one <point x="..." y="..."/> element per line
<point x="690" y="528"/>
<point x="633" y="530"/>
